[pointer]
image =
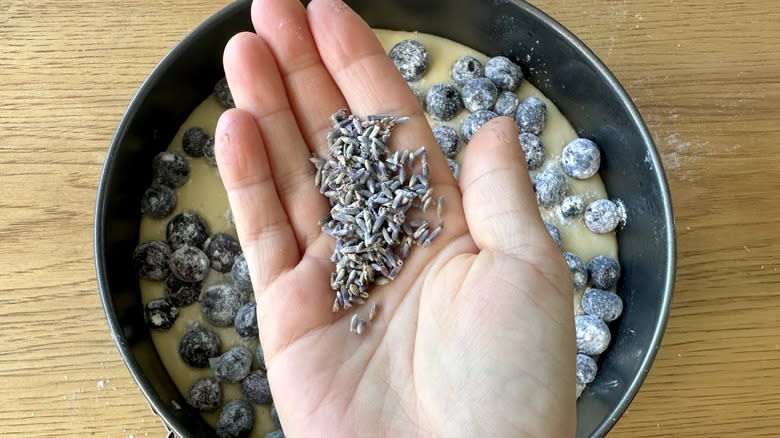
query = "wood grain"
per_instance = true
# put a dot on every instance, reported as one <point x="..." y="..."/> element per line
<point x="703" y="74"/>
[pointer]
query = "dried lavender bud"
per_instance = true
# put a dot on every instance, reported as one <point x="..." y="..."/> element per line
<point x="189" y="264"/>
<point x="181" y="293"/>
<point x="240" y="274"/>
<point x="222" y="250"/>
<point x="593" y="335"/>
<point x="158" y="201"/>
<point x="465" y="68"/>
<point x="232" y="366"/>
<point x="170" y="169"/>
<point x="205" y="395"/>
<point x="533" y="149"/>
<point x="235" y="420"/>
<point x="472" y="122"/>
<point x="479" y="94"/>
<point x="581" y="158"/>
<point x="531" y="115"/>
<point x="586" y="369"/>
<point x="150" y="259"/>
<point x="186" y="228"/>
<point x="256" y="389"/>
<point x="443" y="101"/>
<point x="220" y="303"/>
<point x="504" y="73"/>
<point x="506" y="104"/>
<point x="411" y="58"/>
<point x="193" y="141"/>
<point x="245" y="321"/>
<point x="578" y="271"/>
<point x="550" y="187"/>
<point x="223" y="94"/>
<point x="448" y="140"/>
<point x="198" y="345"/>
<point x="160" y="314"/>
<point x="602" y="303"/>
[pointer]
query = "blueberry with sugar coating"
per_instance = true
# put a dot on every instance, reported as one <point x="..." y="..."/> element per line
<point x="223" y="94"/>
<point x="454" y="168"/>
<point x="550" y="187"/>
<point x="209" y="153"/>
<point x="205" y="395"/>
<point x="443" y="101"/>
<point x="193" y="141"/>
<point x="158" y="201"/>
<point x="411" y="58"/>
<point x="581" y="158"/>
<point x="233" y="365"/>
<point x="170" y="169"/>
<point x="418" y="93"/>
<point x="160" y="314"/>
<point x="186" y="228"/>
<point x="465" y="68"/>
<point x="586" y="369"/>
<point x="256" y="389"/>
<point x="260" y="356"/>
<point x="245" y="321"/>
<point x="181" y="293"/>
<point x="222" y="250"/>
<point x="604" y="272"/>
<point x="572" y="206"/>
<point x="533" y="149"/>
<point x="579" y="272"/>
<point x="602" y="303"/>
<point x="150" y="259"/>
<point x="278" y="433"/>
<point x="531" y="114"/>
<point x="472" y="122"/>
<point x="602" y="216"/>
<point x="220" y="303"/>
<point x="506" y="104"/>
<point x="555" y="233"/>
<point x="189" y="264"/>
<point x="275" y="417"/>
<point x="198" y="345"/>
<point x="239" y="272"/>
<point x="235" y="420"/>
<point x="504" y="73"/>
<point x="593" y="336"/>
<point x="448" y="140"/>
<point x="479" y="94"/>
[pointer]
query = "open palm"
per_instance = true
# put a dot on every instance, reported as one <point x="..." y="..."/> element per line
<point x="474" y="337"/>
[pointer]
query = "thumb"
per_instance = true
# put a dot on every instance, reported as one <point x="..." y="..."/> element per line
<point x="498" y="200"/>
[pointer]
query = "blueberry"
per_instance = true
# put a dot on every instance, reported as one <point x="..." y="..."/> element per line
<point x="256" y="389"/>
<point x="506" y="104"/>
<point x="233" y="365"/>
<point x="592" y="333"/>
<point x="158" y="201"/>
<point x="260" y="356"/>
<point x="602" y="303"/>
<point x="181" y="293"/>
<point x="193" y="140"/>
<point x="220" y="303"/>
<point x="554" y="233"/>
<point x="550" y="186"/>
<point x="170" y="169"/>
<point x="579" y="272"/>
<point x="443" y="101"/>
<point x="572" y="206"/>
<point x="479" y="94"/>
<point x="223" y="94"/>
<point x="205" y="395"/>
<point x="531" y="114"/>
<point x="275" y="417"/>
<point x="586" y="369"/>
<point x="198" y="345"/>
<point x="465" y="68"/>
<point x="222" y="250"/>
<point x="454" y="168"/>
<point x="448" y="140"/>
<point x="160" y="314"/>
<point x="278" y="433"/>
<point x="580" y="158"/>
<point x="186" y="228"/>
<point x="472" y="122"/>
<point x="209" y="152"/>
<point x="603" y="216"/>
<point x="411" y="58"/>
<point x="418" y="93"/>
<point x="533" y="149"/>
<point x="235" y="420"/>
<point x="245" y="321"/>
<point x="604" y="272"/>
<point x="151" y="259"/>
<point x="504" y="73"/>
<point x="189" y="264"/>
<point x="240" y="274"/>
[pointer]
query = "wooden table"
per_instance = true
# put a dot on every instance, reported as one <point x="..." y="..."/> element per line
<point x="705" y="76"/>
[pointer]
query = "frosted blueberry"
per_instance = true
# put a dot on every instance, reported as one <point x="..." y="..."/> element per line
<point x="554" y="233"/>
<point x="572" y="206"/>
<point x="550" y="187"/>
<point x="240" y="274"/>
<point x="504" y="73"/>
<point x="604" y="272"/>
<point x="223" y="94"/>
<point x="209" y="153"/>
<point x="232" y="366"/>
<point x="160" y="314"/>
<point x="186" y="228"/>
<point x="260" y="356"/>
<point x="581" y="158"/>
<point x="603" y="216"/>
<point x="235" y="420"/>
<point x="533" y="149"/>
<point x="205" y="395"/>
<point x="602" y="303"/>
<point x="189" y="264"/>
<point x="158" y="201"/>
<point x="222" y="250"/>
<point x="181" y="293"/>
<point x="586" y="369"/>
<point x="170" y="169"/>
<point x="220" y="303"/>
<point x="411" y="58"/>
<point x="278" y="433"/>
<point x="465" y="68"/>
<point x="472" y="122"/>
<point x="275" y="417"/>
<point x="578" y="271"/>
<point x="443" y="101"/>
<point x="448" y="140"/>
<point x="256" y="389"/>
<point x="150" y="259"/>
<point x="593" y="336"/>
<point x="198" y="345"/>
<point x="193" y="141"/>
<point x="479" y="94"/>
<point x="245" y="321"/>
<point x="506" y="104"/>
<point x="531" y="115"/>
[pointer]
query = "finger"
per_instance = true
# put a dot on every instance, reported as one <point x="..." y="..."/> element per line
<point x="263" y="227"/>
<point x="498" y="199"/>
<point x="258" y="88"/>
<point x="369" y="80"/>
<point x="311" y="91"/>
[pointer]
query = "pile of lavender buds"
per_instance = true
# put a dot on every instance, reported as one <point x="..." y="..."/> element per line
<point x="372" y="192"/>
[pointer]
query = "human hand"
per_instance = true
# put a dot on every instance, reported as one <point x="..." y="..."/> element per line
<point x="475" y="336"/>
